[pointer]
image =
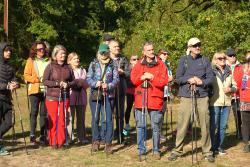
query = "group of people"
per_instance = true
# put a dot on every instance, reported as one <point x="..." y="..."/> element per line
<point x="57" y="89"/>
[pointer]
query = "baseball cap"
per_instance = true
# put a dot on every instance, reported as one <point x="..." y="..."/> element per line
<point x="103" y="48"/>
<point x="193" y="41"/>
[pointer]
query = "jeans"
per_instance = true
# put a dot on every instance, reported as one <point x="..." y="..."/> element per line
<point x="155" y="118"/>
<point x="107" y="122"/>
<point x="218" y="123"/>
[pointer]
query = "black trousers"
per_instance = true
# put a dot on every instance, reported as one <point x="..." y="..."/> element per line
<point x="37" y="102"/>
<point x="5" y="117"/>
<point x="237" y="116"/>
<point x="245" y="126"/>
<point x="130" y="102"/>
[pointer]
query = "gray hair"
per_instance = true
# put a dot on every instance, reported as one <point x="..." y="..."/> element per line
<point x="56" y="50"/>
<point x="146" y="44"/>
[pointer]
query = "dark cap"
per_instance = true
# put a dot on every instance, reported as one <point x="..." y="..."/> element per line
<point x="107" y="37"/>
<point x="230" y="52"/>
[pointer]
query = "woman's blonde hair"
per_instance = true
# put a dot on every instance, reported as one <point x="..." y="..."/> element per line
<point x="217" y="54"/>
<point x="56" y="50"/>
<point x="70" y="56"/>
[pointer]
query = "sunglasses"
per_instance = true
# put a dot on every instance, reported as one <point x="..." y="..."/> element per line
<point x="196" y="45"/>
<point x="221" y="58"/>
<point x="134" y="59"/>
<point x="40" y="49"/>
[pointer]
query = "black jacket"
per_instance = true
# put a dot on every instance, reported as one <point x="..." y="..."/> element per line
<point x="7" y="75"/>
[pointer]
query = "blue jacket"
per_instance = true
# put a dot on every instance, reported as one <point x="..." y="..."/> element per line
<point x="188" y="68"/>
<point x="95" y="74"/>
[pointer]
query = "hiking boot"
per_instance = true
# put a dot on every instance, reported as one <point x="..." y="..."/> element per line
<point x="173" y="157"/>
<point x="209" y="158"/>
<point x="246" y="148"/>
<point x="84" y="141"/>
<point x="108" y="149"/>
<point x="3" y="151"/>
<point x="43" y="140"/>
<point x="95" y="146"/>
<point x="156" y="156"/>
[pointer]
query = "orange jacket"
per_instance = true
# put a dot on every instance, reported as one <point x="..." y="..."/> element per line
<point x="31" y="77"/>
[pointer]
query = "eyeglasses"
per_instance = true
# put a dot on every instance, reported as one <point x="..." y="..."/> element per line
<point x="40" y="49"/>
<point x="231" y="55"/>
<point x="221" y="58"/>
<point x="134" y="59"/>
<point x="196" y="45"/>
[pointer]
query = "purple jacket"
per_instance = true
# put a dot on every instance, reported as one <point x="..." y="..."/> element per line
<point x="78" y="96"/>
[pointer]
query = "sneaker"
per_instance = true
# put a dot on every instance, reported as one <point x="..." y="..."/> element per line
<point x="3" y="151"/>
<point x="127" y="127"/>
<point x="108" y="149"/>
<point x="95" y="146"/>
<point x="156" y="156"/>
<point x="33" y="140"/>
<point x="209" y="158"/>
<point x="173" y="157"/>
<point x="163" y="138"/>
<point x="246" y="148"/>
<point x="222" y="152"/>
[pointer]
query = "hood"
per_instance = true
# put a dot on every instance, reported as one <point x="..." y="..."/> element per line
<point x="2" y="46"/>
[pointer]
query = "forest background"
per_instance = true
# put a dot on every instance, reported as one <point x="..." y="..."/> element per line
<point x="79" y="25"/>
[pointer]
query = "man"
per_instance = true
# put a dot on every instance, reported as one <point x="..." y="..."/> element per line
<point x="8" y="83"/>
<point x="107" y="38"/>
<point x="193" y="69"/>
<point x="232" y="63"/>
<point x="122" y="64"/>
<point x="149" y="77"/>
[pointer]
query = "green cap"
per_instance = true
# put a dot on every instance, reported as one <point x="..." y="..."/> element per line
<point x="103" y="48"/>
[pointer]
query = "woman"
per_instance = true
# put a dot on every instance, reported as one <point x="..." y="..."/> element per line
<point x="241" y="75"/>
<point x="163" y="55"/>
<point x="78" y="100"/>
<point x="33" y="74"/>
<point x="102" y="77"/>
<point x="220" y="101"/>
<point x="130" y="93"/>
<point x="58" y="78"/>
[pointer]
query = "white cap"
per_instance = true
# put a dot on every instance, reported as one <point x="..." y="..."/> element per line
<point x="193" y="41"/>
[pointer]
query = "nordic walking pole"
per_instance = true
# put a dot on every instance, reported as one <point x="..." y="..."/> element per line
<point x="104" y="111"/>
<point x="193" y="120"/>
<point x="237" y="118"/>
<point x="57" y="118"/>
<point x="119" y="116"/>
<point x="171" y="118"/>
<point x="145" y="116"/>
<point x="13" y="128"/>
<point x="96" y="109"/>
<point x="65" y="116"/>
<point x="21" y="121"/>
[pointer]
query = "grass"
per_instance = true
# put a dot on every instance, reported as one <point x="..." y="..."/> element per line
<point x="80" y="156"/>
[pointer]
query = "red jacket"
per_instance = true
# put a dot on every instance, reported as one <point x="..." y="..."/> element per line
<point x="155" y="91"/>
<point x="238" y="75"/>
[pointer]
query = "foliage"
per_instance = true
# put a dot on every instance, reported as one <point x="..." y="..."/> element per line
<point x="80" y="25"/>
